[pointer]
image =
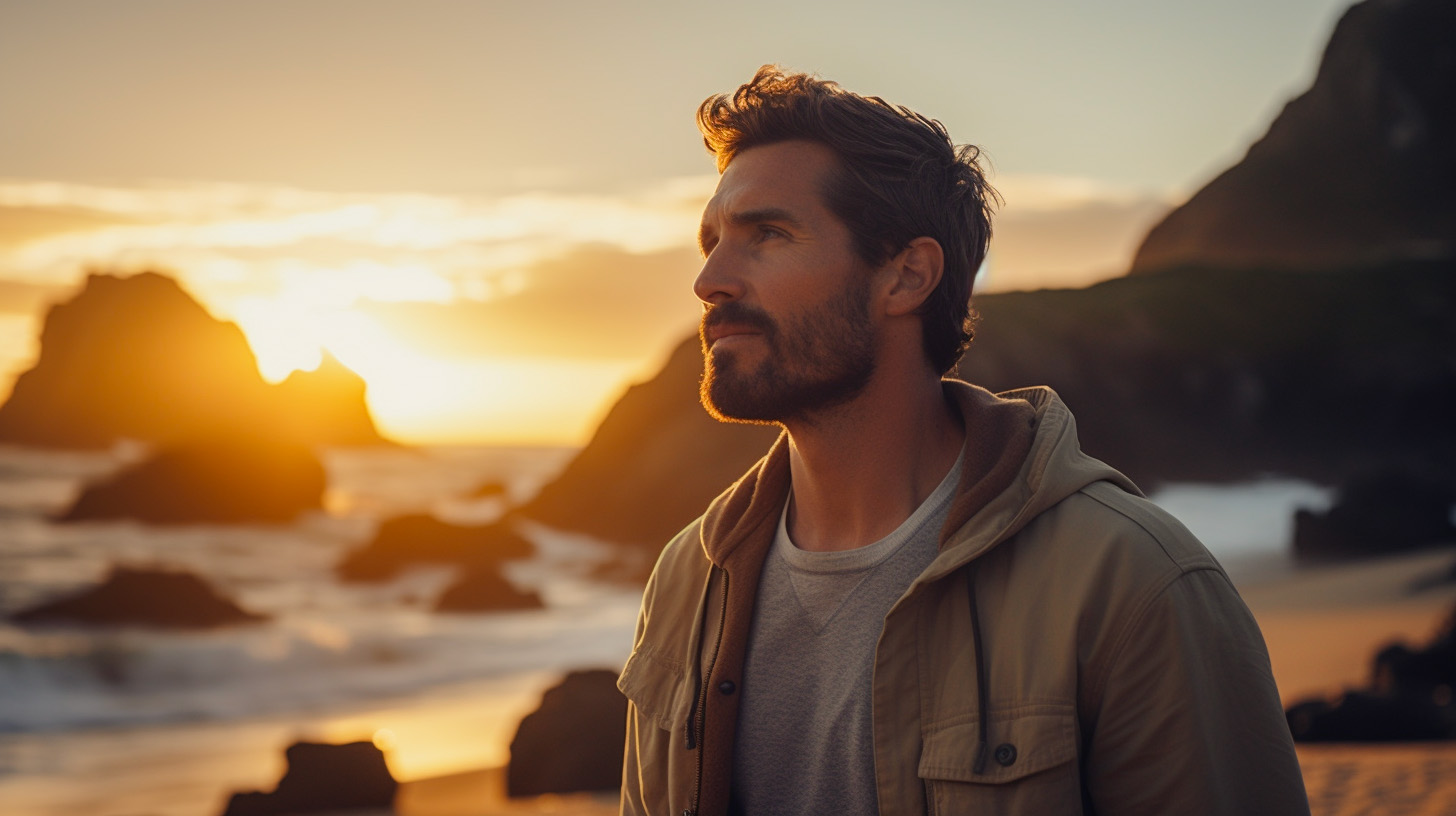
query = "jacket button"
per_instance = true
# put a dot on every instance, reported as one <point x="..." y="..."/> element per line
<point x="726" y="687"/>
<point x="1005" y="754"/>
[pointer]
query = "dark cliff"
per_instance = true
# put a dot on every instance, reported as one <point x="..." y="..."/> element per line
<point x="1360" y="169"/>
<point x="1193" y="375"/>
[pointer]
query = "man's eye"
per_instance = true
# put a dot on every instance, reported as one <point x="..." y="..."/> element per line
<point x="765" y="231"/>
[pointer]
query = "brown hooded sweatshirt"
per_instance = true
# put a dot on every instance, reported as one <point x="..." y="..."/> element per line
<point x="1072" y="649"/>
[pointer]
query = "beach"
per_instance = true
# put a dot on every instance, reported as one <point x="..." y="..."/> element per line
<point x="1322" y="624"/>
<point x="141" y="723"/>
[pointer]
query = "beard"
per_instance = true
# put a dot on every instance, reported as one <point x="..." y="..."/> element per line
<point x="814" y="362"/>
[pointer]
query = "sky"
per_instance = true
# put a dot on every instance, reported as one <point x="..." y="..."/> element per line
<point x="488" y="209"/>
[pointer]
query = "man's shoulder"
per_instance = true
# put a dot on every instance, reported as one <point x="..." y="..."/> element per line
<point x="681" y="558"/>
<point x="1135" y="547"/>
<point x="1147" y="529"/>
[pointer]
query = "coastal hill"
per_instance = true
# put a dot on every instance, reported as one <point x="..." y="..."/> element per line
<point x="1191" y="375"/>
<point x="138" y="358"/>
<point x="1358" y="170"/>
<point x="1312" y="339"/>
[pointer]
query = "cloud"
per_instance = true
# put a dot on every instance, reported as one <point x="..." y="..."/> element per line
<point x="20" y="224"/>
<point x="20" y="298"/>
<point x="595" y="302"/>
<point x="1067" y="248"/>
<point x="1042" y="192"/>
<point x="52" y="232"/>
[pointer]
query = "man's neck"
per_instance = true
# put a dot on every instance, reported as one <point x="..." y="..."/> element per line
<point x="864" y="468"/>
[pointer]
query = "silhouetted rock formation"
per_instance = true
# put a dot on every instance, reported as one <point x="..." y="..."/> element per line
<point x="1363" y="717"/>
<point x="323" y="778"/>
<point x="404" y="541"/>
<point x="1360" y="169"/>
<point x="138" y="358"/>
<point x="482" y="588"/>
<point x="573" y="741"/>
<point x="1195" y="375"/>
<point x="1409" y="698"/>
<point x="325" y="406"/>
<point x="228" y="480"/>
<point x="1376" y="515"/>
<point x="653" y="464"/>
<point x="133" y="596"/>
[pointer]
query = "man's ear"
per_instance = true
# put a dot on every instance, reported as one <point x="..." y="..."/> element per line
<point x="913" y="275"/>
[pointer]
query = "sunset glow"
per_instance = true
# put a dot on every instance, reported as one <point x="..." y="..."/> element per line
<point x="441" y="230"/>
<point x="546" y="305"/>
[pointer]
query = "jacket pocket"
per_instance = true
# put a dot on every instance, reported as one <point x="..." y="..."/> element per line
<point x="658" y="773"/>
<point x="657" y="685"/>
<point x="1030" y="765"/>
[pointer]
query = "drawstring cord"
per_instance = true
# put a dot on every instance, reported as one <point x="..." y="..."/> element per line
<point x="982" y="693"/>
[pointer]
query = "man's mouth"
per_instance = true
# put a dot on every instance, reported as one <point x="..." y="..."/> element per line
<point x="727" y="331"/>
<point x="733" y="321"/>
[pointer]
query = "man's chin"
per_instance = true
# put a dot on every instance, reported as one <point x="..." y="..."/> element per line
<point x="730" y="407"/>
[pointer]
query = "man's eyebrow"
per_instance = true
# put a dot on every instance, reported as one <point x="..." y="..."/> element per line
<point x="761" y="215"/>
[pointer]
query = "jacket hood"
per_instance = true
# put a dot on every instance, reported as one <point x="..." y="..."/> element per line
<point x="1052" y="468"/>
<point x="1021" y="457"/>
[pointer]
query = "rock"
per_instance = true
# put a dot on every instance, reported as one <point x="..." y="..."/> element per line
<point x="138" y="358"/>
<point x="421" y="539"/>
<point x="325" y="406"/>
<point x="1388" y="512"/>
<point x="322" y="778"/>
<point x="1410" y="697"/>
<point x="482" y="588"/>
<point x="133" y="596"/>
<point x="225" y="480"/>
<point x="573" y="741"/>
<point x="1363" y="717"/>
<point x="1359" y="170"/>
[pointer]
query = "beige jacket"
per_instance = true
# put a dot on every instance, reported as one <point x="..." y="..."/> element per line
<point x="1073" y="649"/>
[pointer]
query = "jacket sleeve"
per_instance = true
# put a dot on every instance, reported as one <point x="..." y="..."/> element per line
<point x="1187" y="717"/>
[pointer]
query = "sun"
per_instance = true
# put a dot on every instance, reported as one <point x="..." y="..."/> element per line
<point x="422" y="399"/>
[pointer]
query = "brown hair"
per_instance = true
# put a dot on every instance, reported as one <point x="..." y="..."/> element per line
<point x="901" y="178"/>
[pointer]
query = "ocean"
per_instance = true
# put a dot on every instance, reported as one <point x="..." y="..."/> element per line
<point x="122" y="722"/>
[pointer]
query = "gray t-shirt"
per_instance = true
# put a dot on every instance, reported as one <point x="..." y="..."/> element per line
<point x="804" y="729"/>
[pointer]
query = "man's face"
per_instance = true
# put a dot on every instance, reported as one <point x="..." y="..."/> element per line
<point x="786" y="328"/>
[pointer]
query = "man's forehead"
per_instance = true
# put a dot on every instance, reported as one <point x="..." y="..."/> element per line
<point x="786" y="175"/>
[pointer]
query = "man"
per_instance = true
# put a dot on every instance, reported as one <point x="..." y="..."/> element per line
<point x="925" y="598"/>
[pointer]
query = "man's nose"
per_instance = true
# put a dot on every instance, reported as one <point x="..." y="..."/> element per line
<point x="718" y="281"/>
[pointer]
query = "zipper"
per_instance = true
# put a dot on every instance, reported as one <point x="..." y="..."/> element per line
<point x="698" y="716"/>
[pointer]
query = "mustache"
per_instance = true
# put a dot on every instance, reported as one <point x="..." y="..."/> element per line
<point x="737" y="314"/>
